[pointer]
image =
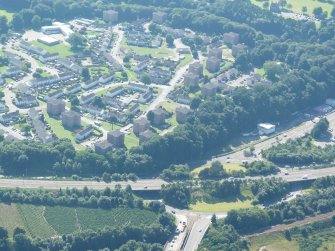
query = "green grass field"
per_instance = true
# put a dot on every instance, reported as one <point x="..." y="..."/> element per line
<point x="6" y="14"/>
<point x="272" y="242"/>
<point x="170" y="106"/>
<point x="187" y="59"/>
<point x="63" y="49"/>
<point x="298" y="4"/>
<point x="131" y="140"/>
<point x="205" y="207"/>
<point x="227" y="166"/>
<point x="44" y="222"/>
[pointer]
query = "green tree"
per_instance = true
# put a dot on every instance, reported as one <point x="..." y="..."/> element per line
<point x="320" y="128"/>
<point x="3" y="25"/>
<point x="272" y="70"/>
<point x="85" y="73"/>
<point x="169" y="40"/>
<point x="77" y="41"/>
<point x="17" y="22"/>
<point x="146" y="79"/>
<point x="36" y="22"/>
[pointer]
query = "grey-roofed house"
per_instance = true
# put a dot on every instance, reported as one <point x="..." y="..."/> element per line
<point x="25" y="100"/>
<point x="116" y="138"/>
<point x="55" y="107"/>
<point x="140" y="125"/>
<point x="182" y="114"/>
<point x="102" y="147"/>
<point x="85" y="133"/>
<point x="146" y="136"/>
<point x="85" y="99"/>
<point x="71" y="119"/>
<point x="9" y="117"/>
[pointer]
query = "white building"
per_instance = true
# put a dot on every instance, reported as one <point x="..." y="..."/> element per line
<point x="266" y="128"/>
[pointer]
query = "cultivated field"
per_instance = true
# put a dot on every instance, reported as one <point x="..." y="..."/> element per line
<point x="43" y="222"/>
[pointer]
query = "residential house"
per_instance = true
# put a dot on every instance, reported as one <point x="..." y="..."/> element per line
<point x="48" y="57"/>
<point x="92" y="109"/>
<point x="85" y="99"/>
<point x="72" y="89"/>
<point x="138" y="87"/>
<point x="115" y="92"/>
<point x="9" y="117"/>
<point x="85" y="133"/>
<point x="25" y="100"/>
<point x="90" y="84"/>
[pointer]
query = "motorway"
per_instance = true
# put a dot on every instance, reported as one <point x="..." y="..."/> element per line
<point x="144" y="184"/>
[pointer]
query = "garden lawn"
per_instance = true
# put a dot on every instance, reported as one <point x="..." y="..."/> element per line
<point x="63" y="49"/>
<point x="131" y="140"/>
<point x="161" y="52"/>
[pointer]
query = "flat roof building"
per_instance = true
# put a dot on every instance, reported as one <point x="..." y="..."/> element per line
<point x="159" y="116"/>
<point x="71" y="119"/>
<point x="208" y="90"/>
<point x="50" y="41"/>
<point x="215" y="53"/>
<point x="213" y="65"/>
<point x="159" y="17"/>
<point x="191" y="79"/>
<point x="102" y="147"/>
<point x="182" y="114"/>
<point x="110" y="16"/>
<point x="231" y="38"/>
<point x="140" y="125"/>
<point x="55" y="107"/>
<point x="266" y="128"/>
<point x="196" y="68"/>
<point x="116" y="138"/>
<point x="146" y="136"/>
